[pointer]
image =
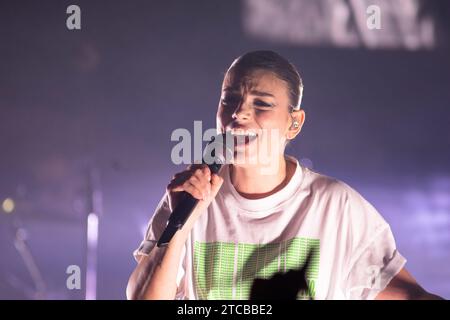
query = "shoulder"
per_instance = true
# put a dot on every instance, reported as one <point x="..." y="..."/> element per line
<point x="327" y="187"/>
<point x="342" y="199"/>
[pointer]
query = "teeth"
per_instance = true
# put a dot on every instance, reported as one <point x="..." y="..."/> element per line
<point x="242" y="133"/>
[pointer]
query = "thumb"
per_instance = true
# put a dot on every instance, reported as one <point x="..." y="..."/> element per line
<point x="216" y="183"/>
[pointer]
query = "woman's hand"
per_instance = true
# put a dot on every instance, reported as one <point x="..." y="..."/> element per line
<point x="198" y="181"/>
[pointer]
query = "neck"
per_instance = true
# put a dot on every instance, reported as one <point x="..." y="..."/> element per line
<point x="253" y="183"/>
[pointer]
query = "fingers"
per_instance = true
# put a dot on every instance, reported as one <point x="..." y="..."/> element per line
<point x="202" y="183"/>
<point x="216" y="183"/>
<point x="177" y="181"/>
<point x="196" y="181"/>
<point x="204" y="172"/>
<point x="193" y="190"/>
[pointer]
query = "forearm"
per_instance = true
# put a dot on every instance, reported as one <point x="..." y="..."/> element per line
<point x="155" y="276"/>
<point x="429" y="296"/>
<point x="404" y="287"/>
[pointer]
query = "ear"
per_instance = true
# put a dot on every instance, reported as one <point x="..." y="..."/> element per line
<point x="297" y="116"/>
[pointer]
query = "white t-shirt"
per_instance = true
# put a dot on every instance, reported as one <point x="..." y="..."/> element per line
<point x="239" y="239"/>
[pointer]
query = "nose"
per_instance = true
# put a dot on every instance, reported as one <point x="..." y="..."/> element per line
<point x="242" y="112"/>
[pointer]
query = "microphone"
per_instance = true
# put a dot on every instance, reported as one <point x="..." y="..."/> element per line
<point x="217" y="152"/>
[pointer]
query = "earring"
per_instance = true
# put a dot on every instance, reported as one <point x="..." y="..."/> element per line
<point x="295" y="124"/>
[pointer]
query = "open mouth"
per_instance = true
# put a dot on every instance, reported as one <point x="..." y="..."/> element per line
<point x="243" y="137"/>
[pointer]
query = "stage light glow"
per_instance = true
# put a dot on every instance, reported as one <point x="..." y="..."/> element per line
<point x="341" y="23"/>
<point x="92" y="232"/>
<point x="8" y="205"/>
<point x="91" y="268"/>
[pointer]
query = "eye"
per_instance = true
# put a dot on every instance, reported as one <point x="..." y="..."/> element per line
<point x="229" y="101"/>
<point x="260" y="103"/>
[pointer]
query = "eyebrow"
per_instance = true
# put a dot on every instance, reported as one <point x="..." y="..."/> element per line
<point x="253" y="92"/>
<point x="261" y="93"/>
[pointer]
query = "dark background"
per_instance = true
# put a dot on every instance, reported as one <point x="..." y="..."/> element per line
<point x="108" y="97"/>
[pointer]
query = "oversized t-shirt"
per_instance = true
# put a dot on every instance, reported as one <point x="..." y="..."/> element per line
<point x="240" y="239"/>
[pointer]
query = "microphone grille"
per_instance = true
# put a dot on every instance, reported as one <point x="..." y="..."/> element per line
<point x="219" y="150"/>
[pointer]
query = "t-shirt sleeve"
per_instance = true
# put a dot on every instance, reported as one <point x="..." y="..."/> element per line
<point x="373" y="259"/>
<point x="155" y="228"/>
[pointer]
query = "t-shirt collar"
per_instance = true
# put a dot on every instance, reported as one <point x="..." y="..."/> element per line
<point x="264" y="205"/>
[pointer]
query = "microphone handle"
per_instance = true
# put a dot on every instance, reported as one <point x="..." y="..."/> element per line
<point x="182" y="212"/>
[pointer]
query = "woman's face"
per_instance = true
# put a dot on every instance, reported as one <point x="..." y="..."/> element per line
<point x="254" y="107"/>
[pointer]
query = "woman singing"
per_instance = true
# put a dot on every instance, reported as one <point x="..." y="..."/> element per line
<point x="265" y="214"/>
